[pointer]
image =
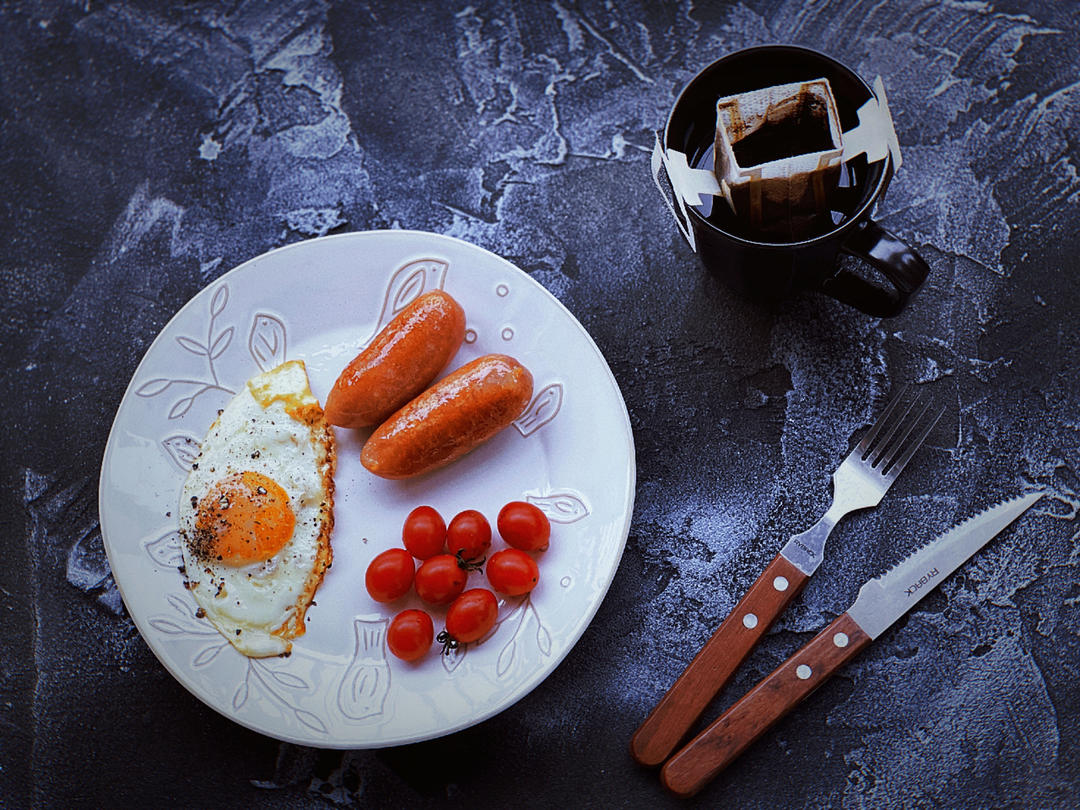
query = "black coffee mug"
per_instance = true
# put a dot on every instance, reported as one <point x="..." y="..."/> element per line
<point x="770" y="271"/>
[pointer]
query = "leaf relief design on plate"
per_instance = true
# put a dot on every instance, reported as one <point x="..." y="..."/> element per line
<point x="520" y="617"/>
<point x="561" y="506"/>
<point x="260" y="677"/>
<point x="366" y="682"/>
<point x="183" y="449"/>
<point x="266" y="341"/>
<point x="208" y="654"/>
<point x="166" y="550"/>
<point x="187" y="625"/>
<point x="408" y="283"/>
<point x="544" y="407"/>
<point x="260" y="673"/>
<point x="453" y="656"/>
<point x="215" y="344"/>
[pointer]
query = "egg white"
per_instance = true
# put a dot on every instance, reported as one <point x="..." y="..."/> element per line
<point x="273" y="426"/>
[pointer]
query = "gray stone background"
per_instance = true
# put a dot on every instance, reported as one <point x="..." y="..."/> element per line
<point x="146" y="148"/>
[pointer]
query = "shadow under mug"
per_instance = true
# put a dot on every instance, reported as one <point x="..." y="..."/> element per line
<point x="769" y="271"/>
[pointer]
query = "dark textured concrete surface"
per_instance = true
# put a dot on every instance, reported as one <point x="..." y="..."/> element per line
<point x="148" y="147"/>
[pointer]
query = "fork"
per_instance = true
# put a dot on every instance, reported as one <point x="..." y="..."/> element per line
<point x="860" y="482"/>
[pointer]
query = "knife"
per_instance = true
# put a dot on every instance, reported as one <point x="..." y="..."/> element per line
<point x="880" y="603"/>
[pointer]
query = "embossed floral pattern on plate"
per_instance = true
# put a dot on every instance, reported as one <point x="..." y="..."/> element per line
<point x="570" y="452"/>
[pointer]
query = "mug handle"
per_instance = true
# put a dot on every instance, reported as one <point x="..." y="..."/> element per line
<point x="903" y="268"/>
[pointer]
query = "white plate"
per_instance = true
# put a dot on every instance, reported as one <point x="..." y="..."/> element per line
<point x="571" y="453"/>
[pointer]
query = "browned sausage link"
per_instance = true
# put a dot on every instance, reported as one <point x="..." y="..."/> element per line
<point x="406" y="355"/>
<point x="461" y="411"/>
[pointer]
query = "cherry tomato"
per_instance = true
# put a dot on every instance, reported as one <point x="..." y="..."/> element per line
<point x="524" y="526"/>
<point x="439" y="580"/>
<point x="468" y="536"/>
<point x="471" y="615"/>
<point x="424" y="532"/>
<point x="410" y="634"/>
<point x="512" y="572"/>
<point x="390" y="575"/>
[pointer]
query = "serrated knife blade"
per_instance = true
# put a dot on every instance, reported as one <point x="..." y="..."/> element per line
<point x="884" y="599"/>
<point x="880" y="603"/>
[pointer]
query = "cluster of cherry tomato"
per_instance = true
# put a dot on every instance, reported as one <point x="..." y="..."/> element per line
<point x="447" y="553"/>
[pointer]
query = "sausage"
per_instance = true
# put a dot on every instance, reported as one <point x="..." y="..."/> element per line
<point x="461" y="411"/>
<point x="399" y="363"/>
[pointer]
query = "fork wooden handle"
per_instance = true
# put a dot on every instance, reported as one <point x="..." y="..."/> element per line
<point x="763" y="706"/>
<point x="712" y="668"/>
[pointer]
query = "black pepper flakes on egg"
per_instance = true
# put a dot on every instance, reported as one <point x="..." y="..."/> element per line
<point x="203" y="545"/>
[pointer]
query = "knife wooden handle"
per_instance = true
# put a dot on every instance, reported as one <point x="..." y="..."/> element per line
<point x="668" y="723"/>
<point x="764" y="705"/>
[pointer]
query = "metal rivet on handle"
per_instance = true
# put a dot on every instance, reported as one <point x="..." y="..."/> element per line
<point x="780" y="583"/>
<point x="802" y="672"/>
<point x="840" y="639"/>
<point x="749" y="621"/>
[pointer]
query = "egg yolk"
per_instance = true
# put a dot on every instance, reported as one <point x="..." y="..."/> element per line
<point x="244" y="518"/>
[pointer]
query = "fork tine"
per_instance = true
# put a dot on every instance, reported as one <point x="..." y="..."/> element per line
<point x="889" y="443"/>
<point x="894" y="465"/>
<point x="899" y="464"/>
<point x="899" y="424"/>
<point x="886" y="415"/>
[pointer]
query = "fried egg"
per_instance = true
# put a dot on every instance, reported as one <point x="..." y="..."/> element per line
<point x="256" y="512"/>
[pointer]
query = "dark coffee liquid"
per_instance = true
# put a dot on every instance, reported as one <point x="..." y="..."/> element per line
<point x="843" y="198"/>
<point x="804" y="130"/>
